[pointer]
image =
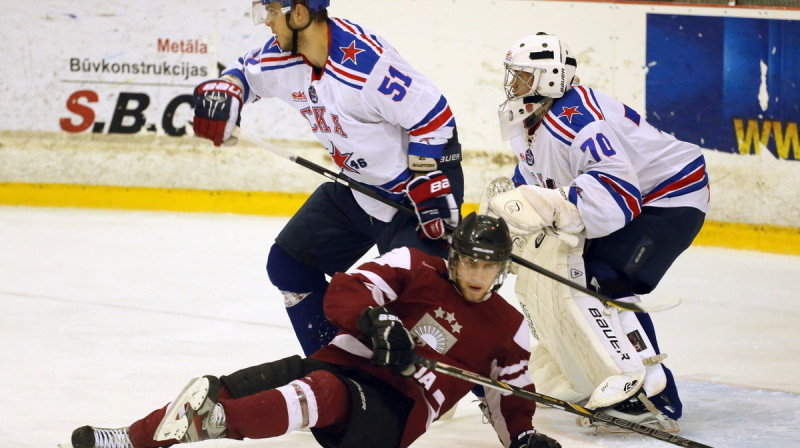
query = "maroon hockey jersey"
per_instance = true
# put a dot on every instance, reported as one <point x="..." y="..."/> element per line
<point x="489" y="337"/>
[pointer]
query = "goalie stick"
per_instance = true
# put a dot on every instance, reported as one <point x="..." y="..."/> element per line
<point x="653" y="305"/>
<point x="547" y="400"/>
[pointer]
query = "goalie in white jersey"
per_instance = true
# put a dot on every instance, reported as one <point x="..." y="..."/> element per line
<point x="635" y="197"/>
<point x="384" y="124"/>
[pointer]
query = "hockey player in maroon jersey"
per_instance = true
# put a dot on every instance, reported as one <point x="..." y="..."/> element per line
<point x="363" y="389"/>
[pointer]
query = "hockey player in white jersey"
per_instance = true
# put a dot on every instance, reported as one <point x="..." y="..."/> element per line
<point x="384" y="124"/>
<point x="590" y="166"/>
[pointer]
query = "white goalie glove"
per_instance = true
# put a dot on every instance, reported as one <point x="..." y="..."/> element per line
<point x="554" y="207"/>
<point x="529" y="209"/>
<point x="501" y="199"/>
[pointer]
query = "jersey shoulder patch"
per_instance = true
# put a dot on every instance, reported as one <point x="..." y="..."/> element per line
<point x="572" y="112"/>
<point x="353" y="53"/>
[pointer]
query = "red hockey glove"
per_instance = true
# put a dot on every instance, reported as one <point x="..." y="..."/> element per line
<point x="392" y="345"/>
<point x="434" y="202"/>
<point x="217" y="104"/>
<point x="534" y="440"/>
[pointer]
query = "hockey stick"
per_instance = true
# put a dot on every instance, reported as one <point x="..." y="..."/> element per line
<point x="572" y="408"/>
<point x="653" y="305"/>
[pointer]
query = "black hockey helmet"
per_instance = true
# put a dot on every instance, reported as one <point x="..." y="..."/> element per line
<point x="483" y="237"/>
<point x="480" y="238"/>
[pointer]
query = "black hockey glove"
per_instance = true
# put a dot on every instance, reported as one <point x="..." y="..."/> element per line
<point x="434" y="202"/>
<point x="392" y="345"/>
<point x="217" y="104"/>
<point x="534" y="440"/>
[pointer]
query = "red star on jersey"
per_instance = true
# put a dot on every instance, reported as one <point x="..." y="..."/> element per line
<point x="351" y="52"/>
<point x="341" y="160"/>
<point x="569" y="112"/>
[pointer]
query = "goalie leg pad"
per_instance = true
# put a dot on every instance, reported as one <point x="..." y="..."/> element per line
<point x="551" y="380"/>
<point x="655" y="381"/>
<point x="659" y="384"/>
<point x="583" y="337"/>
<point x="558" y="323"/>
<point x="605" y="323"/>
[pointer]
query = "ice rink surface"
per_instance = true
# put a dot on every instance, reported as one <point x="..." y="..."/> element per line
<point x="105" y="315"/>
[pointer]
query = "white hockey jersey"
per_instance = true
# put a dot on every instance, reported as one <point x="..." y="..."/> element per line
<point x="614" y="161"/>
<point x="367" y="106"/>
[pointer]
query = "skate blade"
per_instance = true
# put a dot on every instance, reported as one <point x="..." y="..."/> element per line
<point x="175" y="423"/>
<point x="669" y="426"/>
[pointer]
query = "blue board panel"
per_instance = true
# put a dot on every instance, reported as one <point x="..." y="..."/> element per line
<point x="730" y="84"/>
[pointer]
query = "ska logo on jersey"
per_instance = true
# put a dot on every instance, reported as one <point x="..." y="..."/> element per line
<point x="569" y="112"/>
<point x="351" y="53"/>
<point x="433" y="332"/>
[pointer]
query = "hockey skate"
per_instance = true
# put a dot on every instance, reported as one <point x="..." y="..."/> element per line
<point x="91" y="437"/>
<point x="637" y="410"/>
<point x="195" y="415"/>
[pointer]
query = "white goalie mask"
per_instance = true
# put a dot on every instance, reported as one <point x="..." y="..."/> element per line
<point x="539" y="65"/>
<point x="538" y="69"/>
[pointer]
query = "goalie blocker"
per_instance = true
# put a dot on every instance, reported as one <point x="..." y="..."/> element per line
<point x="586" y="351"/>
